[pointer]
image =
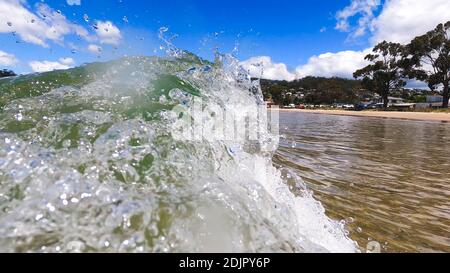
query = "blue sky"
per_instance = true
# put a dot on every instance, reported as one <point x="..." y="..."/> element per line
<point x="289" y="32"/>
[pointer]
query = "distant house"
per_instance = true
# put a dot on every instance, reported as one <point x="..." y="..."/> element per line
<point x="435" y="99"/>
<point x="399" y="103"/>
<point x="394" y="100"/>
<point x="286" y="94"/>
<point x="300" y="95"/>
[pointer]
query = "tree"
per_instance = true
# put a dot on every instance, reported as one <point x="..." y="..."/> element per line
<point x="315" y="90"/>
<point x="429" y="59"/>
<point x="385" y="72"/>
<point x="6" y="73"/>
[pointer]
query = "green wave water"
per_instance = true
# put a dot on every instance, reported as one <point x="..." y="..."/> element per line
<point x="90" y="162"/>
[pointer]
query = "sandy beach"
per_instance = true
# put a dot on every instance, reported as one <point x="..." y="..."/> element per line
<point x="444" y="117"/>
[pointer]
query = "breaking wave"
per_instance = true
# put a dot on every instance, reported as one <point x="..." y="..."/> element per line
<point x="90" y="161"/>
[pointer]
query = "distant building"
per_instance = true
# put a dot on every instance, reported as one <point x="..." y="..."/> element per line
<point x="435" y="99"/>
<point x="395" y="100"/>
<point x="300" y="95"/>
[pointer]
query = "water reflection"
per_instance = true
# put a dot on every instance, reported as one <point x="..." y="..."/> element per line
<point x="390" y="179"/>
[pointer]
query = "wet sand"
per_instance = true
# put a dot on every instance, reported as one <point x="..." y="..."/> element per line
<point x="379" y="114"/>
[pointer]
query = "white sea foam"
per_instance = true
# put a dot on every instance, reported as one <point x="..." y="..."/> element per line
<point x="100" y="167"/>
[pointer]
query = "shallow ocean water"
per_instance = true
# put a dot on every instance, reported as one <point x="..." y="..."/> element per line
<point x="388" y="178"/>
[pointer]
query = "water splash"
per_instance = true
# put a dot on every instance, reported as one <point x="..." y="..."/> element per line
<point x="94" y="164"/>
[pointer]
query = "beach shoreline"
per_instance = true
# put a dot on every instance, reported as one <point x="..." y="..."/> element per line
<point x="419" y="116"/>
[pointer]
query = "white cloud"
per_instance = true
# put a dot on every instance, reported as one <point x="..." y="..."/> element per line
<point x="7" y="59"/>
<point x="416" y="84"/>
<point x="45" y="66"/>
<point x="59" y="25"/>
<point x="108" y="33"/>
<point x="74" y="2"/>
<point x="402" y="20"/>
<point x="37" y="28"/>
<point x="15" y="17"/>
<point x="399" y="21"/>
<point x="46" y="24"/>
<point x="340" y="64"/>
<point x="95" y="49"/>
<point x="365" y="9"/>
<point x="263" y="67"/>
<point x="67" y="61"/>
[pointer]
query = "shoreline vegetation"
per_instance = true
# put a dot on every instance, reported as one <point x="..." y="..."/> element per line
<point x="417" y="116"/>
<point x="382" y="83"/>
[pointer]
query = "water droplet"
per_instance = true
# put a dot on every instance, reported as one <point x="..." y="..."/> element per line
<point x="51" y="207"/>
<point x="9" y="24"/>
<point x="373" y="247"/>
<point x="163" y="29"/>
<point x="76" y="246"/>
<point x="86" y="18"/>
<point x="19" y="117"/>
<point x="67" y="143"/>
<point x="125" y="19"/>
<point x="85" y="195"/>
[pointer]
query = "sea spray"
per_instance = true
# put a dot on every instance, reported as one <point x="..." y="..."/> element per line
<point x="97" y="158"/>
